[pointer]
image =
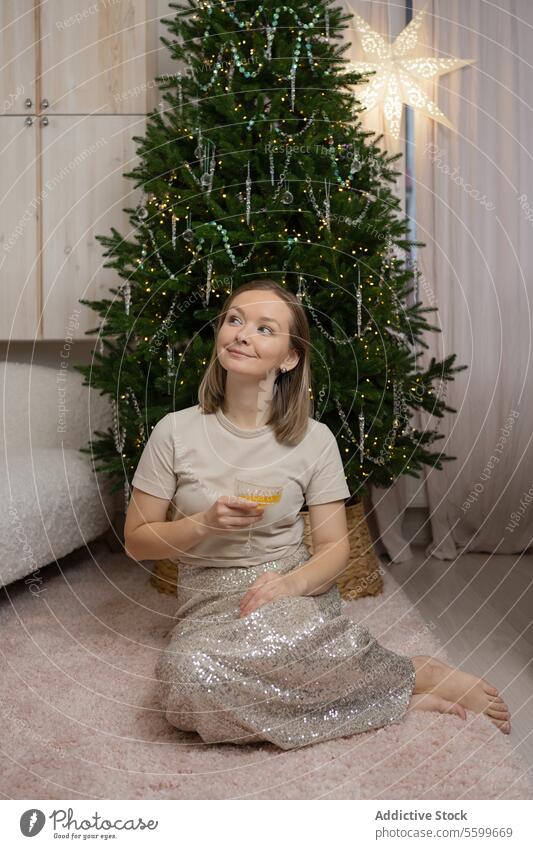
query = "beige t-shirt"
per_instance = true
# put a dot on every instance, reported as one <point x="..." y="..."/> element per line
<point x="192" y="458"/>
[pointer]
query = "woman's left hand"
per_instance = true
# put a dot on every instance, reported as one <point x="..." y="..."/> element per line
<point x="268" y="587"/>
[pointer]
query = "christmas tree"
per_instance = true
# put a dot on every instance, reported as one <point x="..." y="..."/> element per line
<point x="258" y="166"/>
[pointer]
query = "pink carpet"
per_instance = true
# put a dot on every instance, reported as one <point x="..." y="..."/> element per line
<point x="80" y="717"/>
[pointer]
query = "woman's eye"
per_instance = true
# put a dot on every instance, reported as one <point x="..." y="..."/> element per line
<point x="263" y="325"/>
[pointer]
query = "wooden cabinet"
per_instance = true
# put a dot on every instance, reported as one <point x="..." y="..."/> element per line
<point x="86" y="193"/>
<point x="97" y="58"/>
<point x="19" y="244"/>
<point x="77" y="83"/>
<point x="18" y="48"/>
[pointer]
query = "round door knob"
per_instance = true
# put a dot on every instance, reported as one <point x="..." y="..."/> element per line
<point x="44" y="122"/>
<point x="28" y="103"/>
<point x="44" y="103"/>
<point x="28" y="121"/>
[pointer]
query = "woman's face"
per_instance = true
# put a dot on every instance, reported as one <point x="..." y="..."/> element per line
<point x="257" y="326"/>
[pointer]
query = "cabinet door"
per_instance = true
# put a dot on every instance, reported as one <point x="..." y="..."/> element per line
<point x="19" y="55"/>
<point x="97" y="57"/>
<point x="19" y="225"/>
<point x="83" y="161"/>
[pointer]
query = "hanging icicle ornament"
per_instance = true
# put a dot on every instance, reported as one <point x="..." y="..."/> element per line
<point x="206" y="180"/>
<point x="248" y="195"/>
<point x="199" y="149"/>
<point x="212" y="170"/>
<point x="287" y="196"/>
<point x="299" y="293"/>
<point x="272" y="169"/>
<point x="326" y="23"/>
<point x="294" y="66"/>
<point x="100" y="337"/>
<point x="208" y="281"/>
<point x="293" y="86"/>
<point x="361" y="436"/>
<point x="174" y="219"/>
<point x="327" y="206"/>
<point x="180" y="94"/>
<point x="188" y="233"/>
<point x="359" y="299"/>
<point x="126" y="292"/>
<point x="119" y="434"/>
<point x="170" y="366"/>
<point x="209" y="274"/>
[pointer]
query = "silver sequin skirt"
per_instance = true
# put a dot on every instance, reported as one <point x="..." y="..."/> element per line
<point x="293" y="672"/>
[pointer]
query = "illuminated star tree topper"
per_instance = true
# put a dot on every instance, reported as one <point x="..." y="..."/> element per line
<point x="395" y="80"/>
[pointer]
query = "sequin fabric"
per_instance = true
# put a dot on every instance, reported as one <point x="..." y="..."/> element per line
<point x="293" y="672"/>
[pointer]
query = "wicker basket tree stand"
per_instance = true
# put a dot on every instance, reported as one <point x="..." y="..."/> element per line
<point x="361" y="578"/>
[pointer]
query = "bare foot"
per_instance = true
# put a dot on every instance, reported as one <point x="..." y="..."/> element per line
<point x="429" y="701"/>
<point x="471" y="692"/>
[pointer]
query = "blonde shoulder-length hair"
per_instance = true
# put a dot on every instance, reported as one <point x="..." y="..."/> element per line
<point x="291" y="405"/>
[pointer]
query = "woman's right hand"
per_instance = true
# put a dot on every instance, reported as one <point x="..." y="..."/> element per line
<point x="231" y="513"/>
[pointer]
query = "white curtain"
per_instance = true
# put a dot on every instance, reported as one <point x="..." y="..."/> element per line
<point x="474" y="211"/>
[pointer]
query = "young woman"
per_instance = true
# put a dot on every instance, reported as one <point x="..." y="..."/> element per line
<point x="261" y="650"/>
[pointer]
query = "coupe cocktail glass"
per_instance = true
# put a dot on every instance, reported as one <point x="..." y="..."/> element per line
<point x="260" y="494"/>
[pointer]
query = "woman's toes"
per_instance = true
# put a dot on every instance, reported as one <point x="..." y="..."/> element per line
<point x="492" y="691"/>
<point x="504" y="726"/>
<point x="498" y="713"/>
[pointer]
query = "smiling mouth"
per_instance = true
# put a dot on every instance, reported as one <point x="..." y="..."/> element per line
<point x="239" y="353"/>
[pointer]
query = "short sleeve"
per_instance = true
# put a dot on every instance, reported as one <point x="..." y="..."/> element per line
<point x="155" y="471"/>
<point x="327" y="482"/>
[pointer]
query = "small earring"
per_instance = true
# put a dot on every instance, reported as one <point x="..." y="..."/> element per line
<point x="283" y="369"/>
